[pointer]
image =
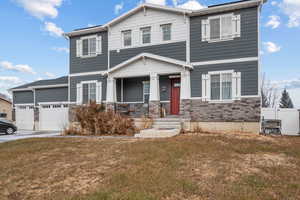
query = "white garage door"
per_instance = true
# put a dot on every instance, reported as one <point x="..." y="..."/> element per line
<point x="54" y="117"/>
<point x="25" y="117"/>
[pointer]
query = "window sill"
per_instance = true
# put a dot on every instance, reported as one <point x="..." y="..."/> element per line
<point x="220" y="40"/>
<point x="90" y="56"/>
<point x="221" y="101"/>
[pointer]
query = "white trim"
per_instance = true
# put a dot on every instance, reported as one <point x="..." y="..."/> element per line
<point x="49" y="86"/>
<point x="122" y="89"/>
<point x="188" y="40"/>
<point x="54" y="103"/>
<point x="221" y="72"/>
<point x="128" y="102"/>
<point x="213" y="62"/>
<point x="20" y="90"/>
<point x="242" y="97"/>
<point x="88" y="73"/>
<point x="24" y="104"/>
<point x="151" y="56"/>
<point x="168" y="101"/>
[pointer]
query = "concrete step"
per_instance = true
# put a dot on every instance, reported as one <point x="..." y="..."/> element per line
<point x="166" y="126"/>
<point x="165" y="123"/>
<point x="155" y="133"/>
<point x="167" y="120"/>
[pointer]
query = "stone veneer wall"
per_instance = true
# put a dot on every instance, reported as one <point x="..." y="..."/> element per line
<point x="244" y="110"/>
<point x="133" y="109"/>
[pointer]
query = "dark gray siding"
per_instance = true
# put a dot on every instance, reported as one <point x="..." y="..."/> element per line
<point x="51" y="95"/>
<point x="98" y="63"/>
<point x="78" y="79"/>
<point x="173" y="50"/>
<point x="133" y="89"/>
<point x="164" y="84"/>
<point x="244" y="46"/>
<point x="23" y="97"/>
<point x="249" y="76"/>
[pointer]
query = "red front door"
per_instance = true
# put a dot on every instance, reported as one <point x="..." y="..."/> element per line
<point x="175" y="96"/>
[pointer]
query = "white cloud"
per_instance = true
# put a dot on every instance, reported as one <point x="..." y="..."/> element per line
<point x="61" y="49"/>
<point x="295" y="96"/>
<point x="159" y="2"/>
<point x="190" y="5"/>
<point x="91" y="25"/>
<point x="49" y="74"/>
<point x="53" y="29"/>
<point x="41" y="8"/>
<point x="274" y="21"/>
<point x="292" y="9"/>
<point x="119" y="7"/>
<point x="20" y="68"/>
<point x="10" y="80"/>
<point x="274" y="3"/>
<point x="289" y="84"/>
<point x="271" y="47"/>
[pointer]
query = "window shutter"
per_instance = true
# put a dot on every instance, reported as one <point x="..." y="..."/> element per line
<point x="205" y="87"/>
<point x="78" y="48"/>
<point x="79" y="94"/>
<point x="205" y="30"/>
<point x="99" y="92"/>
<point x="236" y="85"/>
<point x="99" y="45"/>
<point x="236" y="28"/>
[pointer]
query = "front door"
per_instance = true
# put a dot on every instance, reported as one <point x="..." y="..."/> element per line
<point x="175" y="96"/>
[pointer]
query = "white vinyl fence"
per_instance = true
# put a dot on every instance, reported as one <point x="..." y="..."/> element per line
<point x="289" y="119"/>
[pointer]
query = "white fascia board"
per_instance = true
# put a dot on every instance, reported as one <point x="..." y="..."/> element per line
<point x="229" y="7"/>
<point x="51" y="103"/>
<point x="151" y="56"/>
<point x="85" y="31"/>
<point x="20" y="90"/>
<point x="213" y="62"/>
<point x="88" y="73"/>
<point x="49" y="86"/>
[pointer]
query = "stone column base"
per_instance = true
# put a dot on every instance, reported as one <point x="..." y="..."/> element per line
<point x="154" y="109"/>
<point x="185" y="108"/>
<point x="111" y="106"/>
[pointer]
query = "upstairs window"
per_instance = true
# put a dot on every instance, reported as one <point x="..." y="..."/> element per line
<point x="146" y="35"/>
<point x="89" y="46"/>
<point x="166" y="32"/>
<point x="127" y="38"/>
<point x="220" y="28"/>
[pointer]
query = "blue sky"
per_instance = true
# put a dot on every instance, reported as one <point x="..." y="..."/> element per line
<point x="32" y="47"/>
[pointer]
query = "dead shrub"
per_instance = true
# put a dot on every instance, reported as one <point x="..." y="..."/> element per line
<point x="147" y="122"/>
<point x="94" y="119"/>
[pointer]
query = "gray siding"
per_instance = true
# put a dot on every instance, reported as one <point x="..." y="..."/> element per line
<point x="172" y="50"/>
<point x="244" y="46"/>
<point x="51" y="95"/>
<point x="249" y="76"/>
<point x="98" y="63"/>
<point x="78" y="79"/>
<point x="23" y="97"/>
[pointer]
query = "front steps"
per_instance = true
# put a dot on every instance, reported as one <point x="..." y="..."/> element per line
<point x="162" y="128"/>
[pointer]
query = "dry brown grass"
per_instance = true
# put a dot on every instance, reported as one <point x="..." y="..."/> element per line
<point x="194" y="167"/>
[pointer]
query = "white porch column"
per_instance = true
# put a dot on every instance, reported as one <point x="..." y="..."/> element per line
<point x="154" y="87"/>
<point x="185" y="86"/>
<point x="111" y="90"/>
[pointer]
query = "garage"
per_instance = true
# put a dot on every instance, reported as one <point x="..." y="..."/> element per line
<point x="25" y="117"/>
<point x="53" y="116"/>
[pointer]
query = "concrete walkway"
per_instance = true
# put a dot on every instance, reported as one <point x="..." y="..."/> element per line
<point x="27" y="134"/>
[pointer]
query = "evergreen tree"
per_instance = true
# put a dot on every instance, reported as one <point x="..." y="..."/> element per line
<point x="286" y="101"/>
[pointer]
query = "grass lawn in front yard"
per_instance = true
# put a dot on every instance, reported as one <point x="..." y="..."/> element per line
<point x="203" y="166"/>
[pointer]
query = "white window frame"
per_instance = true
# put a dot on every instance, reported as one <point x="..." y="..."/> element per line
<point x="235" y="86"/>
<point x="236" y="28"/>
<point x="145" y="82"/>
<point x="141" y="35"/>
<point x="79" y="46"/>
<point x="123" y="38"/>
<point x="162" y="32"/>
<point x="98" y="92"/>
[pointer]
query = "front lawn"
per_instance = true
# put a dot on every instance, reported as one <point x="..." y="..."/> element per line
<point x="204" y="166"/>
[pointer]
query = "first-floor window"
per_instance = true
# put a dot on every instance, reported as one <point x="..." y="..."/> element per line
<point x="146" y="91"/>
<point x="221" y="86"/>
<point x="88" y="92"/>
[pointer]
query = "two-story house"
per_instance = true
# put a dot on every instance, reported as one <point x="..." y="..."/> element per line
<point x="202" y="67"/>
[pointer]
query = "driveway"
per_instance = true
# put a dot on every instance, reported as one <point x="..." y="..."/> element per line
<point x="27" y="134"/>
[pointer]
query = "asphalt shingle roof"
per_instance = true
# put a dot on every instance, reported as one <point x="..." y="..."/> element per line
<point x="57" y="81"/>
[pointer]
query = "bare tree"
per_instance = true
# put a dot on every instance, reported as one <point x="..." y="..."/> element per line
<point x="269" y="93"/>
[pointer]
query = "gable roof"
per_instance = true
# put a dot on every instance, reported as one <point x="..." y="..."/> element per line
<point x="61" y="81"/>
<point x="151" y="56"/>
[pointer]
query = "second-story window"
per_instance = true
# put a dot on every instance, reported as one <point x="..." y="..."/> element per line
<point x="146" y="35"/>
<point x="166" y="32"/>
<point x="89" y="46"/>
<point x="222" y="27"/>
<point x="127" y="40"/>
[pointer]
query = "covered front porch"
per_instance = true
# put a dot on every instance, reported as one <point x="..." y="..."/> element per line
<point x="149" y="85"/>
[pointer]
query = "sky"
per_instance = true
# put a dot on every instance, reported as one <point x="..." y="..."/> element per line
<point x="32" y="46"/>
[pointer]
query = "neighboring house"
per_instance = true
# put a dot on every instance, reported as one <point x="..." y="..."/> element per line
<point x="5" y="107"/>
<point x="202" y="66"/>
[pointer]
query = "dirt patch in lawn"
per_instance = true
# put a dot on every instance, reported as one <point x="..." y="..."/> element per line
<point x="203" y="166"/>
